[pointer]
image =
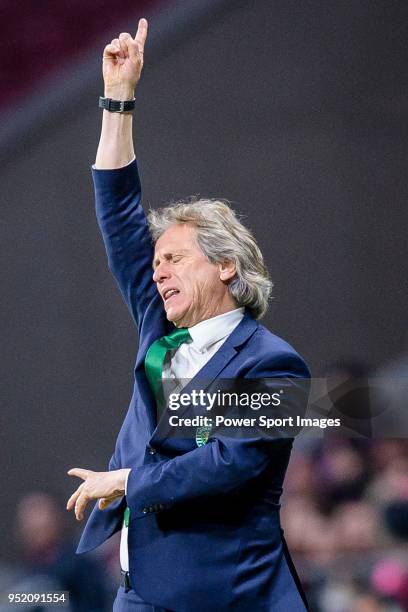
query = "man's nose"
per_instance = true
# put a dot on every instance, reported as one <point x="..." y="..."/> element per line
<point x="161" y="272"/>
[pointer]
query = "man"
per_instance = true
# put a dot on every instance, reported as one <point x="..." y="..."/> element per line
<point x="199" y="515"/>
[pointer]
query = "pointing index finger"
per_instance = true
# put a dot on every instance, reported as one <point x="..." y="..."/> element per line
<point x="141" y="34"/>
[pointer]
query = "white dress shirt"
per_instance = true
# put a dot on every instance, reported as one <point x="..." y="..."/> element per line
<point x="185" y="362"/>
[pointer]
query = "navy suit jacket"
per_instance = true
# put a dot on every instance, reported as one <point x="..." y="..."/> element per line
<point x="204" y="529"/>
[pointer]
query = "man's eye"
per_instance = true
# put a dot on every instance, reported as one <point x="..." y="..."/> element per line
<point x="176" y="259"/>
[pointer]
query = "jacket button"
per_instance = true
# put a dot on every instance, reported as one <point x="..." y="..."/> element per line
<point x="152" y="451"/>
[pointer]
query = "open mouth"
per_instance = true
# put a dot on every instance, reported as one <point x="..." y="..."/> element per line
<point x="169" y="293"/>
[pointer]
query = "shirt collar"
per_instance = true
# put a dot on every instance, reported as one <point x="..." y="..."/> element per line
<point x="207" y="332"/>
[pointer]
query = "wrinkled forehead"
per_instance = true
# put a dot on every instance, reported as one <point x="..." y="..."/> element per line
<point x="178" y="237"/>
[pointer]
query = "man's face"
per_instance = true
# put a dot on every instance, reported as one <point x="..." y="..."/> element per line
<point x="191" y="287"/>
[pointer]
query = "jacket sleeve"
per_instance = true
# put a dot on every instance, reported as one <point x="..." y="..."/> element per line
<point x="225" y="463"/>
<point x="127" y="238"/>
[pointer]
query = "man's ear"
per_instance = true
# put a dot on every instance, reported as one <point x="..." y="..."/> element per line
<point x="227" y="270"/>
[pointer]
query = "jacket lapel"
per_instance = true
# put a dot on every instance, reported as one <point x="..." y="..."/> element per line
<point x="146" y="397"/>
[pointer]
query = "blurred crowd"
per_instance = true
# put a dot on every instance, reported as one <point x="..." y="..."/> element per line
<point x="345" y="504"/>
<point x="344" y="514"/>
<point x="47" y="562"/>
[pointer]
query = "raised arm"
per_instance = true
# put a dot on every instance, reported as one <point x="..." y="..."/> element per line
<point x="117" y="186"/>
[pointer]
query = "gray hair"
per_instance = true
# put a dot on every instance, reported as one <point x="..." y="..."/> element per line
<point x="222" y="237"/>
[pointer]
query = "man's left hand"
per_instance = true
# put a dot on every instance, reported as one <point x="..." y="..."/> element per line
<point x="105" y="486"/>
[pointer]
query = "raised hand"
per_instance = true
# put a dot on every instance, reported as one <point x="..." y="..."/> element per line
<point x="123" y="63"/>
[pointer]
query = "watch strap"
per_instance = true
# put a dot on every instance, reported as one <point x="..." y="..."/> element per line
<point x="116" y="106"/>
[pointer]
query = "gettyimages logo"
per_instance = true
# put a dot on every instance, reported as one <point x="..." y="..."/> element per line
<point x="217" y="399"/>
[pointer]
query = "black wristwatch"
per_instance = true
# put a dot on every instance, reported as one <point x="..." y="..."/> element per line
<point x="116" y="106"/>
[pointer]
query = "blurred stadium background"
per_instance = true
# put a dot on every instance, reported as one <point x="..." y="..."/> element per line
<point x="298" y="114"/>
